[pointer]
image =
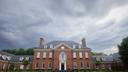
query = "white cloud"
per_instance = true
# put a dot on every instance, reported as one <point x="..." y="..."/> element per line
<point x="110" y="50"/>
<point x="114" y="14"/>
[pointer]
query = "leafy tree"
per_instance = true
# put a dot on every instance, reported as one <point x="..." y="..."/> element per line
<point x="98" y="63"/>
<point x="123" y="51"/>
<point x="30" y="51"/>
<point x="21" y="51"/>
<point x="25" y="63"/>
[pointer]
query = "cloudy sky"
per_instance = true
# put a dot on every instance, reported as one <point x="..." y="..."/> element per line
<point x="103" y="22"/>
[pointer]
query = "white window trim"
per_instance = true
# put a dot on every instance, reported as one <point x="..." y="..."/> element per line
<point x="38" y="55"/>
<point x="50" y="54"/>
<point x="80" y="54"/>
<point x="86" y="54"/>
<point x="44" y="54"/>
<point x="74" y="54"/>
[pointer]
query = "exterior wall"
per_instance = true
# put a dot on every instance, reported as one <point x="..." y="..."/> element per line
<point x="3" y="65"/>
<point x="86" y="62"/>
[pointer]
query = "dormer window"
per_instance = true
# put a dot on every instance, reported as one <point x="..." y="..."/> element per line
<point x="9" y="58"/>
<point x="21" y="58"/>
<point x="74" y="46"/>
<point x="27" y="58"/>
<point x="45" y="46"/>
<point x="79" y="46"/>
<point x="51" y="46"/>
<point x="4" y="57"/>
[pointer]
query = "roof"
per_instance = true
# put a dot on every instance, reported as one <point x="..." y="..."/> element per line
<point x="17" y="58"/>
<point x="14" y="58"/>
<point x="69" y="43"/>
<point x="102" y="58"/>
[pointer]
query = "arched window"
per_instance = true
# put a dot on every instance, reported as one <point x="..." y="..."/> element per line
<point x="62" y="56"/>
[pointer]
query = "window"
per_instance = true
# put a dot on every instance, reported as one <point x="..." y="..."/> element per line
<point x="87" y="64"/>
<point x="37" y="65"/>
<point x="74" y="46"/>
<point x="38" y="54"/>
<point x="21" y="58"/>
<point x="79" y="46"/>
<point x="44" y="54"/>
<point x="51" y="46"/>
<point x="27" y="58"/>
<point x="86" y="54"/>
<point x="50" y="55"/>
<point x="74" y="65"/>
<point x="62" y="56"/>
<point x="9" y="58"/>
<point x="21" y="66"/>
<point x="4" y="57"/>
<point x="43" y="65"/>
<point x="74" y="54"/>
<point x="80" y="54"/>
<point x="81" y="64"/>
<point x="45" y="46"/>
<point x="49" y="65"/>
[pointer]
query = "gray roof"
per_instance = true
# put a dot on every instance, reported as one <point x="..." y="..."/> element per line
<point x="14" y="58"/>
<point x="17" y="58"/>
<point x="102" y="58"/>
<point x="69" y="43"/>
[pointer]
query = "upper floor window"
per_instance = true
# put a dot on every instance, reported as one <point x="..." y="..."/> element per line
<point x="74" y="54"/>
<point x="80" y="54"/>
<point x="38" y="55"/>
<point x="44" y="54"/>
<point x="86" y="54"/>
<point x="62" y="56"/>
<point x="50" y="54"/>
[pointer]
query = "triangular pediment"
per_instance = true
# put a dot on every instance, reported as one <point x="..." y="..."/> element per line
<point x="61" y="45"/>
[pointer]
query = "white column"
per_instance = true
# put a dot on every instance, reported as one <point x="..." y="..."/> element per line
<point x="59" y="65"/>
<point x="65" y="65"/>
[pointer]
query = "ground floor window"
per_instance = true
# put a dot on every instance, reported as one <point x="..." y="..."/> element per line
<point x="74" y="65"/>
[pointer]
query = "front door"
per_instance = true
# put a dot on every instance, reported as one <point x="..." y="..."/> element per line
<point x="62" y="66"/>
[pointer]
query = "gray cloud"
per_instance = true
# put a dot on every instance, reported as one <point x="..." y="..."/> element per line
<point x="23" y="22"/>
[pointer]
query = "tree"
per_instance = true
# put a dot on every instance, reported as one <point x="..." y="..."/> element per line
<point x="123" y="51"/>
<point x="98" y="63"/>
<point x="25" y="63"/>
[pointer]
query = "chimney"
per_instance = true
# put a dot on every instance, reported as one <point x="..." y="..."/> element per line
<point x="41" y="43"/>
<point x="83" y="43"/>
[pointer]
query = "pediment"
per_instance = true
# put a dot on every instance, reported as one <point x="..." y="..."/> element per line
<point x="62" y="46"/>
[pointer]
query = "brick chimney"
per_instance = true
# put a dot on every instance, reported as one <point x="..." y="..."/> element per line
<point x="83" y="43"/>
<point x="41" y="43"/>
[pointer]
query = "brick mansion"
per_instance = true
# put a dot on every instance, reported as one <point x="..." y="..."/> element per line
<point x="60" y="55"/>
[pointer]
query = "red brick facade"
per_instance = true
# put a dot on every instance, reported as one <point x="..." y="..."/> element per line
<point x="55" y="61"/>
